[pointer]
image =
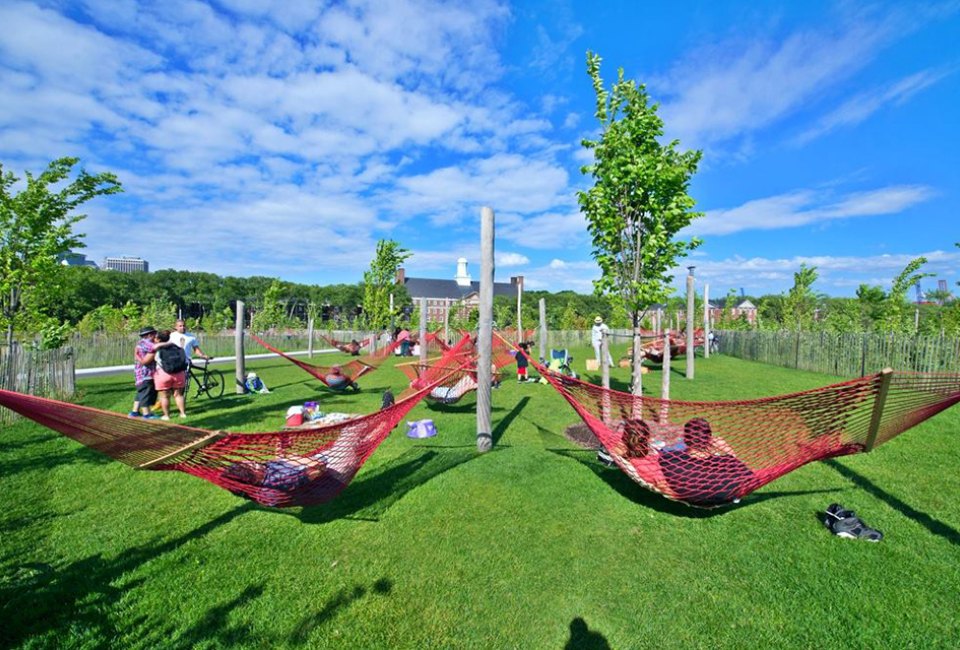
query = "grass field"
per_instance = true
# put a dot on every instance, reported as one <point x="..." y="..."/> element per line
<point x="534" y="545"/>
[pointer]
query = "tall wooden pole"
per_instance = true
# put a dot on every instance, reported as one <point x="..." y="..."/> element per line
<point x="706" y="321"/>
<point x="446" y="321"/>
<point x="484" y="374"/>
<point x="691" y="356"/>
<point x="310" y="336"/>
<point x="241" y="369"/>
<point x="605" y="374"/>
<point x="543" y="329"/>
<point x="423" y="332"/>
<point x="665" y="382"/>
<point x="519" y="309"/>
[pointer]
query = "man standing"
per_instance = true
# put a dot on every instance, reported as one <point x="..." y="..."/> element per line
<point x="600" y="330"/>
<point x="144" y="364"/>
<point x="187" y="341"/>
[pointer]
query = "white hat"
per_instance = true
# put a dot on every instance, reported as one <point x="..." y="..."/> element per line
<point x="251" y="375"/>
<point x="598" y="320"/>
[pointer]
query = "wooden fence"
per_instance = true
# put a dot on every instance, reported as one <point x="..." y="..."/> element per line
<point x="844" y="355"/>
<point x="49" y="373"/>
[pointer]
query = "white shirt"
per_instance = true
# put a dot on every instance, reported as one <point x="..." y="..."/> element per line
<point x="186" y="341"/>
<point x="597" y="333"/>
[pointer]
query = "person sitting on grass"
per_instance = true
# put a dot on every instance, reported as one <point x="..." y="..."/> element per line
<point x="336" y="380"/>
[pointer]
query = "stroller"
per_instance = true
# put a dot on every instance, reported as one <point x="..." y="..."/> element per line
<point x="560" y="362"/>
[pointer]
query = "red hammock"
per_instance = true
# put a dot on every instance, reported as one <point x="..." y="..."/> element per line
<point x="282" y="468"/>
<point x="708" y="454"/>
<point x="653" y="350"/>
<point x="352" y="369"/>
<point x="344" y="346"/>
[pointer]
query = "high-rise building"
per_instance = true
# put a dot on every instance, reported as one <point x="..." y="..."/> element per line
<point x="75" y="259"/>
<point x="125" y="264"/>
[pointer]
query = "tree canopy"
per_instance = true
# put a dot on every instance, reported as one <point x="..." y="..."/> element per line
<point x="36" y="226"/>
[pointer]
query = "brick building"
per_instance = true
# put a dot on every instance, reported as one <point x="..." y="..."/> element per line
<point x="460" y="295"/>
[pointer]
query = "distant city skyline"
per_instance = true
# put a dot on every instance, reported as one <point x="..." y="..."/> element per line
<point x="285" y="140"/>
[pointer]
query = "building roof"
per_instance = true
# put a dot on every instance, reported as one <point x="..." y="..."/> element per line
<point x="427" y="288"/>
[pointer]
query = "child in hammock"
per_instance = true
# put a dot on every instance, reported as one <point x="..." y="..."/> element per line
<point x="704" y="472"/>
<point x="336" y="380"/>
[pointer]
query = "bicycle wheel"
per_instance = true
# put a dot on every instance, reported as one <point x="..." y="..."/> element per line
<point x="213" y="384"/>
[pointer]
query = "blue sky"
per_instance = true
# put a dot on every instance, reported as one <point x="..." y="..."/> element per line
<point x="285" y="138"/>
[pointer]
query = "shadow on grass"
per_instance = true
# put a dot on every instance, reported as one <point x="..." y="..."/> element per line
<point x="60" y="602"/>
<point x="508" y="419"/>
<point x="46" y="462"/>
<point x="344" y="598"/>
<point x="583" y="638"/>
<point x="933" y="525"/>
<point x="368" y="497"/>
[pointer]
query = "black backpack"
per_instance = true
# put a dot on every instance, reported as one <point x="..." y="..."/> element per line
<point x="172" y="359"/>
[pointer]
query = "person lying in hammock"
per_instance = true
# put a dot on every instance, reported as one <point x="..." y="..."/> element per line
<point x="336" y="463"/>
<point x="704" y="471"/>
<point x="352" y="348"/>
<point x="450" y="394"/>
<point x="336" y="380"/>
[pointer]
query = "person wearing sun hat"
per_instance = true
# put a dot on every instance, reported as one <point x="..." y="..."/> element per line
<point x="144" y="364"/>
<point x="596" y="337"/>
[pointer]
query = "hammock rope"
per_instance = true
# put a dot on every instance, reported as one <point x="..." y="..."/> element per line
<point x="296" y="467"/>
<point x="352" y="370"/>
<point x="709" y="454"/>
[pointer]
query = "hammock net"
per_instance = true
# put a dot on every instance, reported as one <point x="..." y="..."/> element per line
<point x="352" y="369"/>
<point x="709" y="454"/>
<point x="296" y="467"/>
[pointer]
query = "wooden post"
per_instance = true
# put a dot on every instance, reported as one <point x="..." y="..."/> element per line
<point x="691" y="356"/>
<point x="665" y="379"/>
<point x="519" y="309"/>
<point x="706" y="321"/>
<point x="310" y="336"/>
<point x="884" y="378"/>
<point x="241" y="369"/>
<point x="393" y="320"/>
<point x="423" y="333"/>
<point x="484" y="374"/>
<point x="543" y="330"/>
<point x="605" y="374"/>
<point x="446" y="320"/>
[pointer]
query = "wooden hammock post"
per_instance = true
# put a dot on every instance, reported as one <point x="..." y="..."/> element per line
<point x="446" y="320"/>
<point x="519" y="309"/>
<point x="310" y="337"/>
<point x="665" y="382"/>
<point x="241" y="369"/>
<point x="484" y="374"/>
<point x="605" y="374"/>
<point x="423" y="333"/>
<point x="706" y="321"/>
<point x="886" y="375"/>
<point x="543" y="330"/>
<point x="690" y="324"/>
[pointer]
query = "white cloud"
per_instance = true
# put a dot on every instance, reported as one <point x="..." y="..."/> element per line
<point x="860" y="107"/>
<point x="805" y="207"/>
<point x="731" y="89"/>
<point x="507" y="260"/>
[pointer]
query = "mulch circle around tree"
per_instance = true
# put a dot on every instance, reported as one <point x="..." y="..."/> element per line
<point x="581" y="434"/>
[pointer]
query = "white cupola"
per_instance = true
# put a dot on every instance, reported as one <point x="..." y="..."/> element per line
<point x="462" y="278"/>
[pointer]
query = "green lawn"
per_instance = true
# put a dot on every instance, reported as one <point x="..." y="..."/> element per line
<point x="534" y="545"/>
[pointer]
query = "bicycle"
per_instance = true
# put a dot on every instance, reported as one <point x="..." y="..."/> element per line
<point x="209" y="382"/>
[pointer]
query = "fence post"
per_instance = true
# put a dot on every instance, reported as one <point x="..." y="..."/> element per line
<point x="691" y="356"/>
<point x="310" y="337"/>
<point x="863" y="356"/>
<point x="665" y="378"/>
<point x="884" y="377"/>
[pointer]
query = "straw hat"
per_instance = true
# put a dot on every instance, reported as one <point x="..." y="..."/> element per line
<point x="598" y="320"/>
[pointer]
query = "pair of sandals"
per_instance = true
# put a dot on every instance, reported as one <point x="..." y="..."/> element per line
<point x="845" y="523"/>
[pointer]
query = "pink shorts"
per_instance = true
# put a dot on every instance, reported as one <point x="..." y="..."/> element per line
<point x="166" y="381"/>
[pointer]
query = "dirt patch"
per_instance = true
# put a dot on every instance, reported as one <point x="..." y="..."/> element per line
<point x="581" y="434"/>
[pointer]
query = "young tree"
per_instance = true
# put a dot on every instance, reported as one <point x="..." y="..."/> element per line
<point x="638" y="201"/>
<point x="894" y="316"/>
<point x="36" y="225"/>
<point x="801" y="302"/>
<point x="379" y="281"/>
